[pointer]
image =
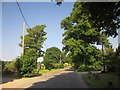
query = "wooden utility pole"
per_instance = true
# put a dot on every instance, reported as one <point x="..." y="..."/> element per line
<point x="24" y="27"/>
<point x="60" y="61"/>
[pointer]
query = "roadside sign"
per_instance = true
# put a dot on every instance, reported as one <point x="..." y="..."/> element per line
<point x="40" y="59"/>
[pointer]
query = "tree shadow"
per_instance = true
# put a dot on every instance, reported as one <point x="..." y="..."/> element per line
<point x="70" y="69"/>
<point x="65" y="80"/>
<point x="10" y="78"/>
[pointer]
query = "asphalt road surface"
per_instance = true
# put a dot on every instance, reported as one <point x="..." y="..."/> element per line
<point x="63" y="78"/>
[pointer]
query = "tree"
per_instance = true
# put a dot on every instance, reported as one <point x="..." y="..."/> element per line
<point x="83" y="29"/>
<point x="118" y="58"/>
<point x="52" y="58"/>
<point x="11" y="67"/>
<point x="103" y="16"/>
<point x="33" y="43"/>
<point x="65" y="57"/>
<point x="118" y="50"/>
<point x="105" y="44"/>
<point x="79" y="36"/>
<point x="110" y="59"/>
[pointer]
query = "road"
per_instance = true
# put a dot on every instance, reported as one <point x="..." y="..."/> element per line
<point x="63" y="78"/>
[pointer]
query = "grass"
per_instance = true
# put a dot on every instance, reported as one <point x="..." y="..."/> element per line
<point x="43" y="71"/>
<point x="46" y="70"/>
<point x="103" y="81"/>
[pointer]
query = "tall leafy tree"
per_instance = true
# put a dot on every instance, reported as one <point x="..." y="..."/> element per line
<point x="52" y="57"/>
<point x="111" y="60"/>
<point x="64" y="57"/>
<point x="105" y="44"/>
<point x="33" y="43"/>
<point x="80" y="34"/>
<point x="104" y="16"/>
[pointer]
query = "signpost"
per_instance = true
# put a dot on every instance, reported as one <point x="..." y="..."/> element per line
<point x="39" y="60"/>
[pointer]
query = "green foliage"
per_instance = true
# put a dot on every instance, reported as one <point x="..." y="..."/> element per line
<point x="11" y="67"/>
<point x="97" y="66"/>
<point x="8" y="68"/>
<point x="80" y="35"/>
<point x="64" y="57"/>
<point x="66" y="64"/>
<point x="46" y="70"/>
<point x="85" y="68"/>
<point x="28" y="64"/>
<point x="52" y="58"/>
<point x="18" y="65"/>
<point x="56" y="65"/>
<point x="43" y="66"/>
<point x="33" y="43"/>
<point x="28" y="75"/>
<point x="111" y="59"/>
<point x="3" y="65"/>
<point x="104" y="16"/>
<point x="103" y="81"/>
<point x="43" y="71"/>
<point x="69" y="58"/>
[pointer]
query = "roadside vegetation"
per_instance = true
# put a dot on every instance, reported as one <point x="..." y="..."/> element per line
<point x="12" y="69"/>
<point x="103" y="80"/>
<point x="88" y="25"/>
<point x="85" y="27"/>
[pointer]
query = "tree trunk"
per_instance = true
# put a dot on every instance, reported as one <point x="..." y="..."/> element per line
<point x="103" y="59"/>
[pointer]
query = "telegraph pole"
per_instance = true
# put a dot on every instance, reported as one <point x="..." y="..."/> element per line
<point x="24" y="28"/>
<point x="60" y="60"/>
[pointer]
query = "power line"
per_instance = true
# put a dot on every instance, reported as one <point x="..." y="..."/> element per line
<point x="22" y="13"/>
<point x="45" y="45"/>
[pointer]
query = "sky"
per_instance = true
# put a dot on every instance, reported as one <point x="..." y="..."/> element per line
<point x="0" y="30"/>
<point x="47" y="13"/>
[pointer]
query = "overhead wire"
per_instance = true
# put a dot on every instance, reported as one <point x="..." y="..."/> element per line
<point x="22" y="14"/>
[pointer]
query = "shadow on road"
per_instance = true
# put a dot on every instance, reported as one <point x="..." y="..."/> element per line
<point x="65" y="80"/>
<point x="70" y="69"/>
<point x="9" y="78"/>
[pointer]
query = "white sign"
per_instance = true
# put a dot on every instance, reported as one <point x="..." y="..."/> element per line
<point x="40" y="59"/>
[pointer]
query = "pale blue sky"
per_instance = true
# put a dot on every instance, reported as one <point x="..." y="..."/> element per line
<point x="0" y="30"/>
<point x="36" y="14"/>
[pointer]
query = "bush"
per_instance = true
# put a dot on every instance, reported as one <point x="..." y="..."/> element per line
<point x="85" y="68"/>
<point x="28" y="64"/>
<point x="49" y="66"/>
<point x="62" y="66"/>
<point x="97" y="65"/>
<point x="43" y="66"/>
<point x="9" y="68"/>
<point x="56" y="66"/>
<point x="35" y="71"/>
<point x="18" y="65"/>
<point x="7" y="72"/>
<point x="43" y="71"/>
<point x="28" y="75"/>
<point x="66" y="64"/>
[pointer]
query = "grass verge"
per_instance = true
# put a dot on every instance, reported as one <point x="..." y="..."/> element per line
<point x="46" y="70"/>
<point x="103" y="80"/>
